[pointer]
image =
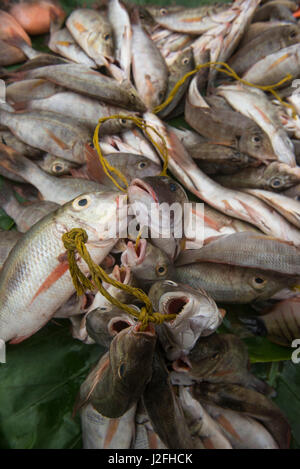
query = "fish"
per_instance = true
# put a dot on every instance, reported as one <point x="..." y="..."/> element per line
<point x="62" y="42"/>
<point x="228" y="128"/>
<point x="228" y="201"/>
<point x="119" y="379"/>
<point x="247" y="402"/>
<point x="196" y="315"/>
<point x="179" y="64"/>
<point x="56" y="166"/>
<point x="150" y="71"/>
<point x="83" y="80"/>
<point x="274" y="67"/>
<point x="232" y="284"/>
<point x="122" y="33"/>
<point x="165" y="412"/>
<point x="140" y="144"/>
<point x="201" y="425"/>
<point x="24" y="216"/>
<point x="286" y="206"/>
<point x="35" y="15"/>
<point x="51" y="188"/>
<point x="270" y="41"/>
<point x="104" y="322"/>
<point x="220" y="358"/>
<point x="25" y="90"/>
<point x="281" y="323"/>
<point x="35" y="280"/>
<point x="217" y="159"/>
<point x="93" y="33"/>
<point x="254" y="104"/>
<point x="9" y="139"/>
<point x="147" y="262"/>
<point x="242" y="432"/>
<point x="247" y="249"/>
<point x="273" y="177"/>
<point x="293" y="192"/>
<point x="61" y="136"/>
<point x="82" y="108"/>
<point x="99" y="432"/>
<point x="152" y="199"/>
<point x="8" y="239"/>
<point x="194" y="20"/>
<point x="189" y="138"/>
<point x="145" y="436"/>
<point x="276" y="10"/>
<point x="11" y="55"/>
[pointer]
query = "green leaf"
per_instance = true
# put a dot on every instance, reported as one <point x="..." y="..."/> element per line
<point x="38" y="388"/>
<point x="262" y="350"/>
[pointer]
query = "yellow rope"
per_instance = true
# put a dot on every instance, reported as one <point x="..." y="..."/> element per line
<point x="141" y="123"/>
<point x="230" y="72"/>
<point x="74" y="241"/>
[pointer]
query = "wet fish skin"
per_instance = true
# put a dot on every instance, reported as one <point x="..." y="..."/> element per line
<point x="35" y="280"/>
<point x="220" y="159"/>
<point x="197" y="315"/>
<point x="247" y="249"/>
<point x="275" y="10"/>
<point x="148" y="263"/>
<point x="35" y="16"/>
<point x="53" y="189"/>
<point x="166" y="414"/>
<point x="99" y="432"/>
<point x="220" y="358"/>
<point x="247" y="402"/>
<point x="232" y="284"/>
<point x="120" y="377"/>
<point x="122" y="32"/>
<point x="202" y="427"/>
<point x="243" y="432"/>
<point x="82" y="79"/>
<point x="24" y="216"/>
<point x="281" y="324"/>
<point x="11" y="55"/>
<point x="7" y="138"/>
<point x="274" y="177"/>
<point x="93" y="33"/>
<point x="270" y="41"/>
<point x="61" y="136"/>
<point x="24" y="90"/>
<point x="149" y="68"/>
<point x="8" y="239"/>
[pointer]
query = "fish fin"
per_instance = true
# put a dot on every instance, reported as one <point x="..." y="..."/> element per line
<point x="94" y="168"/>
<point x="13" y="161"/>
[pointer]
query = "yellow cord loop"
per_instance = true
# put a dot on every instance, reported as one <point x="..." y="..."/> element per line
<point x="231" y="73"/>
<point x="141" y="123"/>
<point x="74" y="241"/>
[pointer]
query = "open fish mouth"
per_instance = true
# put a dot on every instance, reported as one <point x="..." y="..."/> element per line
<point x="177" y="304"/>
<point x="117" y="324"/>
<point x="182" y="364"/>
<point x="134" y="255"/>
<point x="138" y="185"/>
<point x="150" y="329"/>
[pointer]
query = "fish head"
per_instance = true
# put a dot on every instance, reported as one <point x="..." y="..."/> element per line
<point x="203" y="358"/>
<point x="134" y="99"/>
<point x="147" y="262"/>
<point x="131" y="356"/>
<point x="102" y="41"/>
<point x="256" y="143"/>
<point x="102" y="214"/>
<point x="107" y="321"/>
<point x="263" y="284"/>
<point x="56" y="166"/>
<point x="280" y="176"/>
<point x="290" y="34"/>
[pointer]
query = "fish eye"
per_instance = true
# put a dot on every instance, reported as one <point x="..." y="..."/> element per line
<point x="142" y="164"/>
<point x="163" y="11"/>
<point x="215" y="356"/>
<point x="123" y="121"/>
<point x="121" y="371"/>
<point x="256" y="139"/>
<point x="81" y="202"/>
<point x="106" y="37"/>
<point x="57" y="168"/>
<point x="293" y="34"/>
<point x="173" y="187"/>
<point x="276" y="182"/>
<point x="161" y="270"/>
<point x="259" y="282"/>
<point x="185" y="61"/>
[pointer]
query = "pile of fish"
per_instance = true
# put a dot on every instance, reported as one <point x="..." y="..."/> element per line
<point x="180" y="384"/>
